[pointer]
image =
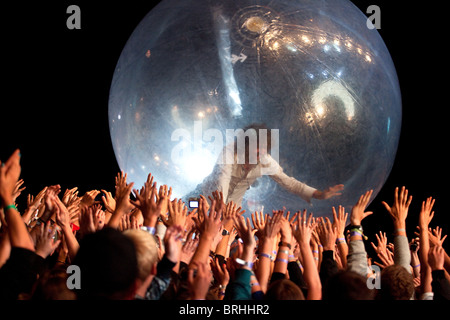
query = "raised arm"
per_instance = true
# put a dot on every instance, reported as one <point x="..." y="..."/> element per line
<point x="9" y="175"/>
<point x="231" y="211"/>
<point x="208" y="228"/>
<point x="399" y="212"/>
<point x="239" y="288"/>
<point x="122" y="197"/>
<point x="266" y="244"/>
<point x="63" y="220"/>
<point x="357" y="256"/>
<point x="339" y="223"/>
<point x="302" y="231"/>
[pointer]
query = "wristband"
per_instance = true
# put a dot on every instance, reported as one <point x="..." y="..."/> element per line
<point x="315" y="251"/>
<point x="416" y="266"/>
<point x="10" y="206"/>
<point x="284" y="251"/>
<point x="265" y="255"/>
<point x="150" y="230"/>
<point x="244" y="263"/>
<point x="340" y="240"/>
<point x="281" y="260"/>
<point x="357" y="232"/>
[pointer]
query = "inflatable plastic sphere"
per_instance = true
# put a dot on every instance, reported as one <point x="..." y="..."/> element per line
<point x="315" y="72"/>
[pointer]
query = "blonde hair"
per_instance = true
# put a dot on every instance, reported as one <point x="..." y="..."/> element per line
<point x="146" y="251"/>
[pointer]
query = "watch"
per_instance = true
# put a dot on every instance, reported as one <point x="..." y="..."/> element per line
<point x="284" y="244"/>
<point x="225" y="232"/>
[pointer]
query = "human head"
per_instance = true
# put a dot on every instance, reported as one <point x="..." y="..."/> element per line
<point x="347" y="285"/>
<point x="396" y="284"/>
<point x="108" y="266"/>
<point x="253" y="143"/>
<point x="146" y="252"/>
<point x="52" y="285"/>
<point x="283" y="289"/>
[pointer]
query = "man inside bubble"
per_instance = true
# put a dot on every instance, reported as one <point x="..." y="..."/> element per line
<point x="239" y="166"/>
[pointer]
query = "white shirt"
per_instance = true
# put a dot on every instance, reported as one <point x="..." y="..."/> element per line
<point x="233" y="180"/>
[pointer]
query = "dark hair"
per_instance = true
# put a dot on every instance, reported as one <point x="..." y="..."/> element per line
<point x="52" y="285"/>
<point x="283" y="289"/>
<point x="252" y="130"/>
<point x="347" y="285"/>
<point x="108" y="265"/>
<point x="396" y="284"/>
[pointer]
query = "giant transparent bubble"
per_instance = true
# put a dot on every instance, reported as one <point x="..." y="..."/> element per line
<point x="311" y="69"/>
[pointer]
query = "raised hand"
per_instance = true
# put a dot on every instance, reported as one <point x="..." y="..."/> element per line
<point x="188" y="249"/>
<point x="326" y="233"/>
<point x="436" y="258"/>
<point x="123" y="202"/>
<point x="45" y="243"/>
<point x="340" y="221"/>
<point x="177" y="213"/>
<point x="385" y="255"/>
<point x="231" y="211"/>
<point x="172" y="242"/>
<point x="381" y="246"/>
<point x="218" y="197"/>
<point x="88" y="199"/>
<point x="9" y="175"/>
<point x="426" y="213"/>
<point x="245" y="231"/>
<point x="108" y="201"/>
<point x="329" y="192"/>
<point x="285" y="229"/>
<point x="18" y="190"/>
<point x="211" y="223"/>
<point x="399" y="209"/>
<point x="302" y="230"/>
<point x="273" y="225"/>
<point x="358" y="212"/>
<point x="122" y="196"/>
<point x="33" y="204"/>
<point x="435" y="236"/>
<point x="199" y="285"/>
<point x="221" y="275"/>
<point x="86" y="220"/>
<point x="70" y="196"/>
<point x="146" y="202"/>
<point x="259" y="221"/>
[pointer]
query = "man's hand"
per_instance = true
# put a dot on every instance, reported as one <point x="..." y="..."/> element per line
<point x="45" y="244"/>
<point x="328" y="193"/>
<point x="399" y="210"/>
<point x="426" y="213"/>
<point x="326" y="233"/>
<point x="172" y="242"/>
<point x="302" y="230"/>
<point x="358" y="213"/>
<point x="436" y="258"/>
<point x="339" y="221"/>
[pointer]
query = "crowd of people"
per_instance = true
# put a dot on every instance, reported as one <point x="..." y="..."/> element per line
<point x="144" y="245"/>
